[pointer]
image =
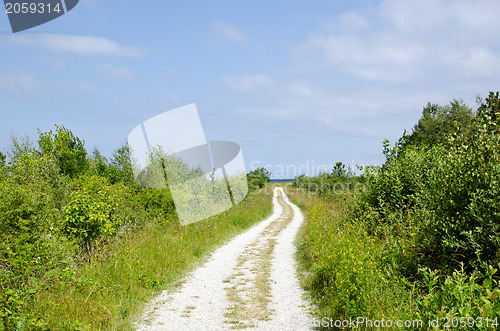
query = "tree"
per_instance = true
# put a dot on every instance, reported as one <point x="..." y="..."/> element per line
<point x="68" y="150"/>
<point x="438" y="121"/>
<point x="489" y="111"/>
<point x="122" y="163"/>
<point x="258" y="177"/>
<point x="339" y="170"/>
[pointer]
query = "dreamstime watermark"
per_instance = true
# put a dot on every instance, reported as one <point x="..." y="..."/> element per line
<point x="205" y="178"/>
<point x="26" y="14"/>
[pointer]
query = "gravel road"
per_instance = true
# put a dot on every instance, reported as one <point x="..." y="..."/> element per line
<point x="249" y="283"/>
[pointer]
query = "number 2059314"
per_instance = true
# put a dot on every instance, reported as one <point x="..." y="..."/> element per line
<point x="32" y="8"/>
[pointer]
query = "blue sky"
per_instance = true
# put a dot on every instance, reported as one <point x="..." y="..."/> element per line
<point x="296" y="84"/>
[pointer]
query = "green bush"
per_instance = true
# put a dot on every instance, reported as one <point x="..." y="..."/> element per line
<point x="68" y="150"/>
<point x="31" y="249"/>
<point x="446" y="194"/>
<point x="93" y="210"/>
<point x="258" y="178"/>
<point x="57" y="203"/>
<point x="158" y="203"/>
<point x="459" y="207"/>
<point x="431" y="209"/>
<point x="459" y="298"/>
<point x="341" y="180"/>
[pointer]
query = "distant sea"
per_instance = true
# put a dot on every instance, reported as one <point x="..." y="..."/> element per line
<point x="281" y="180"/>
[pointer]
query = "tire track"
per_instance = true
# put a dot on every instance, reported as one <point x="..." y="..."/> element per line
<point x="249" y="283"/>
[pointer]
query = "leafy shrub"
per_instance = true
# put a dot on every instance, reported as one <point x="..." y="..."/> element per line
<point x="30" y="247"/>
<point x="437" y="122"/>
<point x="68" y="150"/>
<point x="434" y="206"/>
<point x="101" y="166"/>
<point x="446" y="194"/>
<point x="93" y="210"/>
<point x="459" y="205"/>
<point x="339" y="181"/>
<point x="158" y="203"/>
<point x="258" y="178"/>
<point x="56" y="202"/>
<point x="28" y="218"/>
<point x="459" y="298"/>
<point x="88" y="217"/>
<point x="122" y="163"/>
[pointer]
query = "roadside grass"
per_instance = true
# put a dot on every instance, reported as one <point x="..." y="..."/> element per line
<point x="302" y="197"/>
<point x="110" y="291"/>
<point x="342" y="266"/>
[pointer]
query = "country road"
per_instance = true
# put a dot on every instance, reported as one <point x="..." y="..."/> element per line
<point x="248" y="283"/>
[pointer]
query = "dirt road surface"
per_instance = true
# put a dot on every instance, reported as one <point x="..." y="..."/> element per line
<point x="249" y="283"/>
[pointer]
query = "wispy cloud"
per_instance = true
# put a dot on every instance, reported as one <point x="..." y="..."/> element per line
<point x="84" y="45"/>
<point x="246" y="83"/>
<point x="228" y="31"/>
<point x="400" y="41"/>
<point x="115" y="72"/>
<point x="18" y="82"/>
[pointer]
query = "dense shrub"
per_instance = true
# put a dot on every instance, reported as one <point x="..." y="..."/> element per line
<point x="30" y="246"/>
<point x="446" y="193"/>
<point x="57" y="205"/>
<point x="88" y="215"/>
<point x="68" y="150"/>
<point x="158" y="203"/>
<point x="340" y="180"/>
<point x="461" y="299"/>
<point x="258" y="178"/>
<point x="433" y="213"/>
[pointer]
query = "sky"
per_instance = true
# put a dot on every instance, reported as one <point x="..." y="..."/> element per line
<point x="298" y="85"/>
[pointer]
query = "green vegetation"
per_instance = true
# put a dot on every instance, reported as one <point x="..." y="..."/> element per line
<point x="420" y="241"/>
<point x="258" y="178"/>
<point x="340" y="180"/>
<point x="82" y="246"/>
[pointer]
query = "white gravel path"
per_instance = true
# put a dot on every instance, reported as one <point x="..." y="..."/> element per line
<point x="201" y="303"/>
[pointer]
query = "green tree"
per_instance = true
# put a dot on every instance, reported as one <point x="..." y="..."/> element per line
<point x="437" y="122"/>
<point x="68" y="150"/>
<point x="443" y="192"/>
<point x="489" y="111"/>
<point x="20" y="146"/>
<point x="122" y="163"/>
<point x="339" y="170"/>
<point x="3" y="168"/>
<point x="258" y="177"/>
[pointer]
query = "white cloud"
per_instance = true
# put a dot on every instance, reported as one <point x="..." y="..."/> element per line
<point x="228" y="31"/>
<point x="85" y="45"/>
<point x="116" y="72"/>
<point x="18" y="82"/>
<point x="352" y="21"/>
<point x="406" y="41"/>
<point x="367" y="74"/>
<point x="246" y="83"/>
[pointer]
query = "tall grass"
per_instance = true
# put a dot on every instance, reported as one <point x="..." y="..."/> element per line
<point x="345" y="277"/>
<point x="109" y="291"/>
